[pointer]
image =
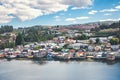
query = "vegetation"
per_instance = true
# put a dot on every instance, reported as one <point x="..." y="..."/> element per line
<point x="36" y="34"/>
<point x="7" y="45"/>
<point x="113" y="26"/>
<point x="30" y="35"/>
<point x="37" y="48"/>
<point x="100" y="31"/>
<point x="97" y="41"/>
<point x="114" y="41"/>
<point x="90" y="42"/>
<point x="19" y="39"/>
<point x="39" y="33"/>
<point x="6" y="28"/>
<point x="5" y="42"/>
<point x="82" y="37"/>
<point x="104" y="34"/>
<point x="57" y="49"/>
<point x="65" y="46"/>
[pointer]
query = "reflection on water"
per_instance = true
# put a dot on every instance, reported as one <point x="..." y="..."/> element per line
<point x="43" y="62"/>
<point x="40" y="62"/>
<point x="59" y="70"/>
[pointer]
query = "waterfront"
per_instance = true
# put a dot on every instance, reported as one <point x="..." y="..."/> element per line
<point x="56" y="70"/>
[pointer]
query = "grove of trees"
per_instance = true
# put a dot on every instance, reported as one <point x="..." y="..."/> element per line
<point x="33" y="34"/>
<point x="82" y="37"/>
<point x="6" y="28"/>
<point x="114" y="41"/>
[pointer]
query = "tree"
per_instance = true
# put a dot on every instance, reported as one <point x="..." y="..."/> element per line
<point x="114" y="41"/>
<point x="118" y="33"/>
<point x="6" y="28"/>
<point x="19" y="39"/>
<point x="96" y="29"/>
<point x="82" y="37"/>
<point x="12" y="45"/>
<point x="97" y="40"/>
<point x="90" y="41"/>
<point x="7" y="45"/>
<point x="57" y="49"/>
<point x="66" y="46"/>
<point x="37" y="48"/>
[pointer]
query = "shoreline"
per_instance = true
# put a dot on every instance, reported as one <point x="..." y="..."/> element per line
<point x="64" y="60"/>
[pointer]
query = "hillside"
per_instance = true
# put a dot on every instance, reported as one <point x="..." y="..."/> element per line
<point x="88" y="25"/>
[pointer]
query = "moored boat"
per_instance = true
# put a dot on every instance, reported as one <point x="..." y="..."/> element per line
<point x="111" y="56"/>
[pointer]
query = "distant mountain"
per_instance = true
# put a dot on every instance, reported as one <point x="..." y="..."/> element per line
<point x="89" y="25"/>
<point x="78" y="26"/>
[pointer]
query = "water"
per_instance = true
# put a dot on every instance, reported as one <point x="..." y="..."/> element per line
<point x="55" y="70"/>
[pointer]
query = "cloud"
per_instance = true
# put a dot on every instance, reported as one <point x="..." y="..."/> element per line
<point x="75" y="8"/>
<point x="109" y="20"/>
<point x="6" y="19"/>
<point x="82" y="18"/>
<point x="109" y="10"/>
<point x="57" y="18"/>
<point x="92" y="12"/>
<point x="78" y="4"/>
<point x="30" y="9"/>
<point x="77" y="18"/>
<point x="70" y="19"/>
<point x="107" y="14"/>
<point x="117" y="7"/>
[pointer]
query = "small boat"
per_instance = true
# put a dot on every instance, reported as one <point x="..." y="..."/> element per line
<point x="100" y="55"/>
<point x="111" y="56"/>
<point x="30" y="56"/>
<point x="80" y="55"/>
<point x="2" y="55"/>
<point x="62" y="56"/>
<point x="10" y="56"/>
<point x="38" y="54"/>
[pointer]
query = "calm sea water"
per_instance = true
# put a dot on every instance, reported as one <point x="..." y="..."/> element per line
<point x="55" y="70"/>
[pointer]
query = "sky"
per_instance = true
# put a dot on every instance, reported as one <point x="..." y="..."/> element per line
<point x="24" y="13"/>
